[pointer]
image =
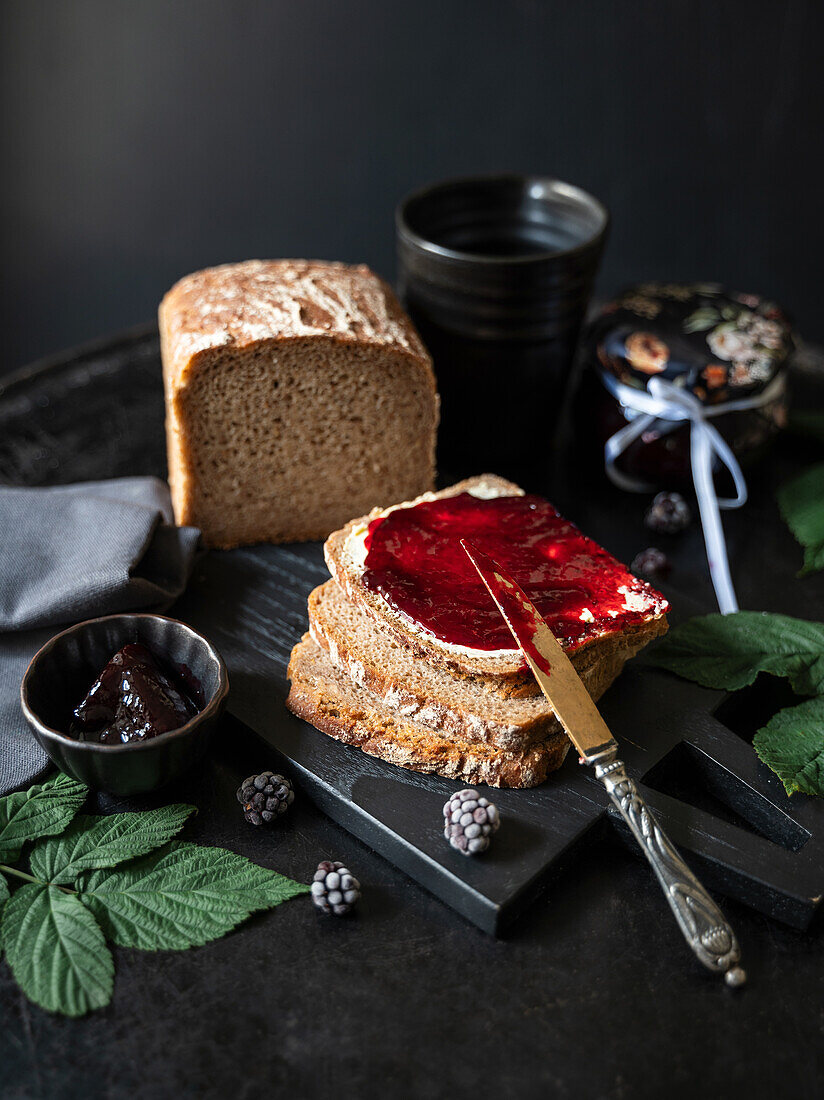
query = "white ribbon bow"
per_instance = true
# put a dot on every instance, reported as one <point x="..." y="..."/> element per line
<point x="663" y="400"/>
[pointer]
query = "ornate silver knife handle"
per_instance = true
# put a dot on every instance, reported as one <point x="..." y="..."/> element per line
<point x="703" y="924"/>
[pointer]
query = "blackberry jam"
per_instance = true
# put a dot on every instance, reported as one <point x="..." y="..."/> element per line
<point x="135" y="697"/>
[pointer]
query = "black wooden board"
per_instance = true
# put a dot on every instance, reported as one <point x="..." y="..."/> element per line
<point x="252" y="603"/>
<point x="720" y="804"/>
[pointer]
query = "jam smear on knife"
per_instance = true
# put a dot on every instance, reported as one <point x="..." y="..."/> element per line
<point x="523" y="619"/>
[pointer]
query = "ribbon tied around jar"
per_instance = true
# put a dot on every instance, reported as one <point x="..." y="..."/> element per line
<point x="665" y="404"/>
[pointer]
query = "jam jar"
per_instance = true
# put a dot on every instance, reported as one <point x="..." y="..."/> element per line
<point x="729" y="350"/>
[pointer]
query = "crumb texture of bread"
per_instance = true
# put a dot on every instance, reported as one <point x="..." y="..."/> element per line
<point x="297" y="393"/>
<point x="329" y="700"/>
<point x="470" y="707"/>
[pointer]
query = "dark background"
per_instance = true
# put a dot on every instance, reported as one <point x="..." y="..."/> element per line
<point x="142" y="141"/>
<point x="145" y="140"/>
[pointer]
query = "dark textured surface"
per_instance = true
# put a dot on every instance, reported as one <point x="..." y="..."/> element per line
<point x="590" y="993"/>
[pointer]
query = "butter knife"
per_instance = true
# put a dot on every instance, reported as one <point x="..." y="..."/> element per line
<point x="702" y="923"/>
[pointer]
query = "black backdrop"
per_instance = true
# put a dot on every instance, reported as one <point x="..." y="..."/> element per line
<point x="142" y="141"/>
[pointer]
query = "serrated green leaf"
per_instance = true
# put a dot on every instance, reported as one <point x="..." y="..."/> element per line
<point x="728" y="651"/>
<point x="182" y="897"/>
<point x="56" y="950"/>
<point x="802" y="505"/>
<point x="792" y="745"/>
<point x="43" y="810"/>
<point x="93" y="841"/>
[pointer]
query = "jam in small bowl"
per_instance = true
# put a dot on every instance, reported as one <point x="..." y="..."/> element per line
<point x="125" y="703"/>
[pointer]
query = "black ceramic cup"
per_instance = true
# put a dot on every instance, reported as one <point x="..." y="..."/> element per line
<point x="496" y="273"/>
<point x="62" y="672"/>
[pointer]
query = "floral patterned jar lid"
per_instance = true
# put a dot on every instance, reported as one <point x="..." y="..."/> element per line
<point x="721" y="346"/>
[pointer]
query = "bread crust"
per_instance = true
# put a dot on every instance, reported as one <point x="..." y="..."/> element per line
<point x="326" y="698"/>
<point x="465" y="707"/>
<point x="440" y="707"/>
<point x="238" y="305"/>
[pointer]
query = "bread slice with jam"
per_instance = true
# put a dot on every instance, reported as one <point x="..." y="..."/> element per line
<point x="403" y="566"/>
<point x="370" y="655"/>
<point x="408" y="658"/>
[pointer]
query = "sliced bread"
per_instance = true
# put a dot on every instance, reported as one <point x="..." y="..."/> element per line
<point x="371" y="656"/>
<point x="327" y="698"/>
<point x="297" y="393"/>
<point x="345" y="555"/>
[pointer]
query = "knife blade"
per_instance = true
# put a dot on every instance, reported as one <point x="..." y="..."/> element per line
<point x="560" y="683"/>
<point x="702" y="923"/>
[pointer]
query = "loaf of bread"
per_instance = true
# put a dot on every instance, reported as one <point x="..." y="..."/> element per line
<point x="297" y="395"/>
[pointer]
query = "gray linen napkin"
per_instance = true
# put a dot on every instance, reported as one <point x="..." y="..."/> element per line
<point x="74" y="552"/>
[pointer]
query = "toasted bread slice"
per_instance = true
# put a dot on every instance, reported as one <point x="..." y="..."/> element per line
<point x="610" y="648"/>
<point x="327" y="698"/>
<point x="467" y="707"/>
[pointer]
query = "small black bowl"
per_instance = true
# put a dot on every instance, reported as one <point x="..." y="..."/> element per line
<point x="62" y="672"/>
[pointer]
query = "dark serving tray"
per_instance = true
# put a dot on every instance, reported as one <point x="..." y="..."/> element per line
<point x="690" y="746"/>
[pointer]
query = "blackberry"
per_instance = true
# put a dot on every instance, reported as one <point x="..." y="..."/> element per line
<point x="469" y="822"/>
<point x="334" y="889"/>
<point x="265" y="797"/>
<point x="668" y="514"/>
<point x="651" y="562"/>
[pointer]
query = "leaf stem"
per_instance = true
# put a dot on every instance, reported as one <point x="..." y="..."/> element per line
<point x="30" y="878"/>
<point x="20" y="874"/>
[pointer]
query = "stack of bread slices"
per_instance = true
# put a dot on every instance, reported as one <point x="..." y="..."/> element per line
<point x="366" y="676"/>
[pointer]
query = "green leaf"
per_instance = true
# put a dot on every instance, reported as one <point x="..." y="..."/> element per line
<point x="40" y="811"/>
<point x="56" y="950"/>
<point x="792" y="744"/>
<point x="94" y="841"/>
<point x="182" y="897"/>
<point x="802" y="505"/>
<point x="728" y="651"/>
